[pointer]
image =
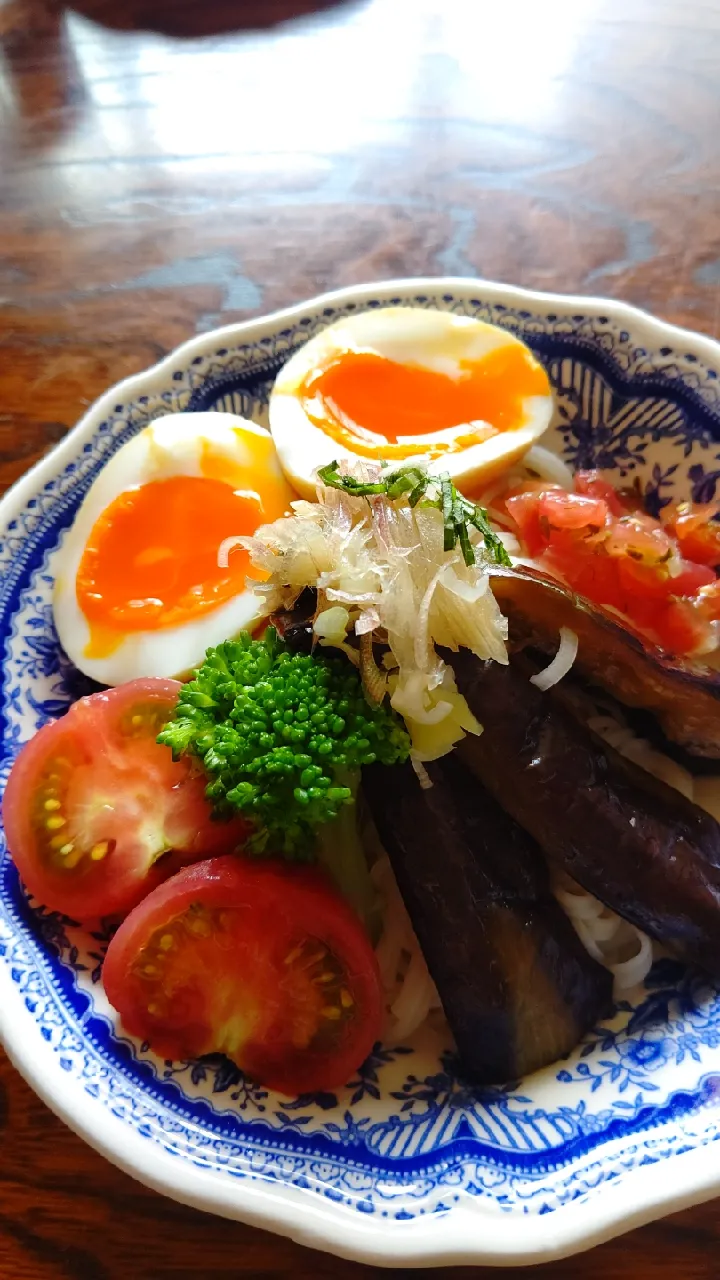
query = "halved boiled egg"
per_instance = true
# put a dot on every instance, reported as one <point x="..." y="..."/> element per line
<point x="138" y="587"/>
<point x="409" y="385"/>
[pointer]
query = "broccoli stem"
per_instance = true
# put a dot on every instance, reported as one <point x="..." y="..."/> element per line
<point x="339" y="849"/>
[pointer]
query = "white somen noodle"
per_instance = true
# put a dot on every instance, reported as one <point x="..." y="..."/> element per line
<point x="619" y="945"/>
<point x="548" y="466"/>
<point x="410" y="993"/>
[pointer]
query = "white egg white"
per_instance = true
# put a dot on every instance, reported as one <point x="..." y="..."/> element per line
<point x="435" y="340"/>
<point x="173" y="445"/>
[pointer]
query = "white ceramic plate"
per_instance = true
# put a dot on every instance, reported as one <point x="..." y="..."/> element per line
<point x="405" y="1165"/>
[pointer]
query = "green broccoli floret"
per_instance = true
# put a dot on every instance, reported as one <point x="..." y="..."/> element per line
<point x="282" y="737"/>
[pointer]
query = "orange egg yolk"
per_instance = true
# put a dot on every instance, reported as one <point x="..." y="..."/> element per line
<point x="361" y="391"/>
<point x="151" y="560"/>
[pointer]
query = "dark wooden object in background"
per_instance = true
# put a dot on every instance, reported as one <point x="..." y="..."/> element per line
<point x="155" y="184"/>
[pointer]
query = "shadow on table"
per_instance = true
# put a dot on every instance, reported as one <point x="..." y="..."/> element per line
<point x="167" y="17"/>
<point x="198" y="17"/>
<point x="34" y="32"/>
<point x="43" y="89"/>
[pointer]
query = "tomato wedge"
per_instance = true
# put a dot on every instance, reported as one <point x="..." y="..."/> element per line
<point x="96" y="813"/>
<point x="260" y="960"/>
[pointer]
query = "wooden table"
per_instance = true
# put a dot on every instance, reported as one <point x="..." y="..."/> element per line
<point x="154" y="185"/>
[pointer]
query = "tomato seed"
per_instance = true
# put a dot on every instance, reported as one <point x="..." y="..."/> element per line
<point x="200" y="927"/>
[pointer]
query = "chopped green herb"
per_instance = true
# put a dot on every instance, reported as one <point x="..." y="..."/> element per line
<point x="458" y="512"/>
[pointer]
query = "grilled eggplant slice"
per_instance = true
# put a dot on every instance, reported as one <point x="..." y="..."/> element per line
<point x="634" y="842"/>
<point x="517" y="986"/>
<point x="683" y="695"/>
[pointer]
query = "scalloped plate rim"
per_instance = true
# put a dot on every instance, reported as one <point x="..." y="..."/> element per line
<point x="466" y="1235"/>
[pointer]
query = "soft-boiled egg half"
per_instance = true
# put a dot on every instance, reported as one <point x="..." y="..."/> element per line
<point x="139" y="590"/>
<point x="404" y="384"/>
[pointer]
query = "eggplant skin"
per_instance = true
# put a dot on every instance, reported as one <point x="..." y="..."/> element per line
<point x="295" y="626"/>
<point x="637" y="844"/>
<point x="518" y="988"/>
<point x="683" y="695"/>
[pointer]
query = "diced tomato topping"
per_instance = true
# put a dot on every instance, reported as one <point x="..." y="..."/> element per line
<point x="640" y="538"/>
<point x="523" y="507"/>
<point x="593" y="485"/>
<point x="696" y="529"/>
<point x="682" y="628"/>
<point x="691" y="578"/>
<point x="538" y="513"/>
<point x="708" y="601"/>
<point x="637" y="579"/>
<point x="564" y="510"/>
<point x="658" y="573"/>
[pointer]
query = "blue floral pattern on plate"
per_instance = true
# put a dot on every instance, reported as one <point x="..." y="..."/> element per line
<point x="406" y="1137"/>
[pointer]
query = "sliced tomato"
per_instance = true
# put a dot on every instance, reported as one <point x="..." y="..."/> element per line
<point x="260" y="960"/>
<point x="96" y="813"/>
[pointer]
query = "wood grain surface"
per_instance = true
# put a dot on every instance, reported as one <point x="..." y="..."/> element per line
<point x="166" y="167"/>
